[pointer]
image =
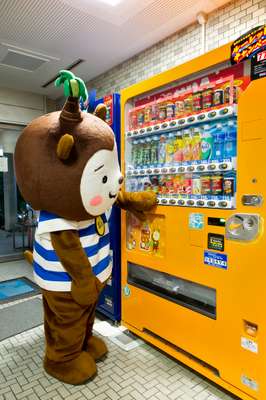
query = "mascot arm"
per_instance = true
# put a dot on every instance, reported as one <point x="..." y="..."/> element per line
<point x="85" y="286"/>
<point x="136" y="202"/>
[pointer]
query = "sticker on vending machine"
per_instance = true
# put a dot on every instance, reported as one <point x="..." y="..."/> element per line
<point x="215" y="259"/>
<point x="250" y="383"/>
<point x="196" y="221"/>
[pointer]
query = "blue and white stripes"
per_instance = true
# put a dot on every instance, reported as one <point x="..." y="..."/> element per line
<point x="48" y="270"/>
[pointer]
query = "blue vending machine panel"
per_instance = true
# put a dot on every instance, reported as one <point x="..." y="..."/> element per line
<point x="110" y="299"/>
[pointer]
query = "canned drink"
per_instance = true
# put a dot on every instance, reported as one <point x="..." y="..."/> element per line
<point x="229" y="186"/>
<point x="147" y="114"/>
<point x="179" y="108"/>
<point x="155" y="183"/>
<point x="188" y="104"/>
<point x="217" y="184"/>
<point x="205" y="181"/>
<point x="196" y="184"/>
<point x="227" y="93"/>
<point x="218" y="97"/>
<point x="170" y="110"/>
<point x="154" y="112"/>
<point x="207" y="98"/>
<point x="140" y="118"/>
<point x="133" y="120"/>
<point x="188" y="184"/>
<point x="197" y="101"/>
<point x="162" y="112"/>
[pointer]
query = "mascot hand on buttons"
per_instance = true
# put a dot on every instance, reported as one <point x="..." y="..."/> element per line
<point x="67" y="168"/>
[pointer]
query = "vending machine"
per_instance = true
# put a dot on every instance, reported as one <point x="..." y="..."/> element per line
<point x="194" y="271"/>
<point x="110" y="299"/>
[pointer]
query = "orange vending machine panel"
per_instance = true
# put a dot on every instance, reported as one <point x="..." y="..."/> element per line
<point x="194" y="272"/>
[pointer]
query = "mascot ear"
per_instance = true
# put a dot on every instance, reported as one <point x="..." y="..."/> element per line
<point x="65" y="146"/>
<point x="101" y="111"/>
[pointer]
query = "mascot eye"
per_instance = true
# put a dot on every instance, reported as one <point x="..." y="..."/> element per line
<point x="104" y="180"/>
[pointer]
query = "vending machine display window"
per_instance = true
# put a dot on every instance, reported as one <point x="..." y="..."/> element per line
<point x="181" y="141"/>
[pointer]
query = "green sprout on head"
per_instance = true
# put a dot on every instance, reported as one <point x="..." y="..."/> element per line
<point x="73" y="86"/>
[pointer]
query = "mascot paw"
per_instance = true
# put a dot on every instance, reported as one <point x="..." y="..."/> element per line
<point x="74" y="372"/>
<point x="96" y="348"/>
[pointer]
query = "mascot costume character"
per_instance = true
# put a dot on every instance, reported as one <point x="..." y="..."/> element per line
<point x="67" y="168"/>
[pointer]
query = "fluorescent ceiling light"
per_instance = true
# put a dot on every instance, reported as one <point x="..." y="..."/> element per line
<point x="112" y="3"/>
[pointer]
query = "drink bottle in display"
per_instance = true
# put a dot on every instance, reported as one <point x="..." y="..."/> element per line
<point x="178" y="147"/>
<point x="141" y="152"/>
<point x="170" y="142"/>
<point x="188" y="184"/>
<point x="162" y="150"/>
<point x="230" y="139"/>
<point x="218" y="145"/>
<point x="206" y="143"/>
<point x="147" y="152"/>
<point x="154" y="150"/>
<point x="205" y="181"/>
<point x="196" y="144"/>
<point x="187" y="145"/>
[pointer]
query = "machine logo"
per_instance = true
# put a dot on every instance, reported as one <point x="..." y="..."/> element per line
<point x="215" y="259"/>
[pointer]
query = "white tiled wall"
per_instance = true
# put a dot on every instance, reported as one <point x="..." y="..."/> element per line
<point x="224" y="25"/>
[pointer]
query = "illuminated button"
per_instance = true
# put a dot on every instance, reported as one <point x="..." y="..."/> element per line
<point x="191" y="168"/>
<point x="181" y="202"/>
<point x="158" y="201"/>
<point x="149" y="129"/>
<point x="135" y="132"/>
<point x="222" y="204"/>
<point x="149" y="171"/>
<point x="200" y="203"/>
<point x="172" y="169"/>
<point x="223" y="166"/>
<point x="142" y="171"/>
<point x="201" y="168"/>
<point x="224" y="111"/>
<point x="212" y="114"/>
<point x="181" y="121"/>
<point x="156" y="127"/>
<point x="142" y="130"/>
<point x="129" y="134"/>
<point x="211" y="167"/>
<point x="172" y="123"/>
<point x="165" y="125"/>
<point x="191" y="119"/>
<point x="191" y="202"/>
<point x="164" y="201"/>
<point x="181" y="169"/>
<point x="201" y="117"/>
<point x="172" y="201"/>
<point x="164" y="170"/>
<point x="156" y="171"/>
<point x="211" y="203"/>
<point x="129" y="172"/>
<point x="135" y="172"/>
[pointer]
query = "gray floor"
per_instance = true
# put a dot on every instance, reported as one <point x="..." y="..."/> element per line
<point x="142" y="373"/>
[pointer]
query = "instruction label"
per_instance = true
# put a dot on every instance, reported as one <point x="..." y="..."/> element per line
<point x="250" y="383"/>
<point x="215" y="241"/>
<point x="196" y="221"/>
<point x="215" y="259"/>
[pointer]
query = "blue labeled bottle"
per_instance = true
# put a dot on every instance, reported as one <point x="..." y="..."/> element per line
<point x="219" y="142"/>
<point x="206" y="143"/>
<point x="230" y="140"/>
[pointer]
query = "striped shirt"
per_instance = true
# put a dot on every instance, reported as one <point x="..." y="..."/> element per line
<point x="49" y="273"/>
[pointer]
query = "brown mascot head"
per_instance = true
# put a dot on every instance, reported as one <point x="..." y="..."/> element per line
<point x="66" y="162"/>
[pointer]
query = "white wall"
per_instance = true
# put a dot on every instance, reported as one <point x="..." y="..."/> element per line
<point x="224" y="25"/>
<point x="17" y="107"/>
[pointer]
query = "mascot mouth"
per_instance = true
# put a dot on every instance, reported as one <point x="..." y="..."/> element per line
<point x="112" y="196"/>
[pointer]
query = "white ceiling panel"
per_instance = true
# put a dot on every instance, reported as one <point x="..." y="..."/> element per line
<point x="101" y="32"/>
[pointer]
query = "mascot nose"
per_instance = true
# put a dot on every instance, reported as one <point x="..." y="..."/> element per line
<point x="120" y="180"/>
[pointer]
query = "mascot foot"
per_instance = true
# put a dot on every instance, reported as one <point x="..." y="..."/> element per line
<point x="74" y="372"/>
<point x="96" y="348"/>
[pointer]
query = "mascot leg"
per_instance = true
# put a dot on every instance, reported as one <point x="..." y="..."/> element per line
<point x="65" y="325"/>
<point x="92" y="344"/>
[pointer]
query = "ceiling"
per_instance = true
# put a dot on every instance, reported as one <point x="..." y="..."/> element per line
<point x="55" y="33"/>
